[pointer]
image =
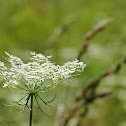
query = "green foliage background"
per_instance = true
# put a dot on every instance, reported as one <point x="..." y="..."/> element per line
<point x="26" y="25"/>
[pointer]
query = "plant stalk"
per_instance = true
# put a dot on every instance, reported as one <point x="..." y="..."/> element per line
<point x="31" y="110"/>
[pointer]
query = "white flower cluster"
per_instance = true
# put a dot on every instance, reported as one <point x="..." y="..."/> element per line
<point x="37" y="71"/>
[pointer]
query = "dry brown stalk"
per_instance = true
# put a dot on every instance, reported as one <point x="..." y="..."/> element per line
<point x="71" y="113"/>
<point x="95" y="82"/>
<point x="102" y="94"/>
<point x="88" y="94"/>
<point x="59" y="30"/>
<point x="100" y="26"/>
<point x="84" y="103"/>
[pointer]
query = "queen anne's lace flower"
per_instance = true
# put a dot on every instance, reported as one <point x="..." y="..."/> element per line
<point x="34" y="73"/>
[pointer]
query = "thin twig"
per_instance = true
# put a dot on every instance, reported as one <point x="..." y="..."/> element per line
<point x="100" y="26"/>
<point x="58" y="31"/>
<point x="104" y="93"/>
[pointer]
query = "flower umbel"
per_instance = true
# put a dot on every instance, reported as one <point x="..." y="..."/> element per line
<point x="31" y="76"/>
<point x="34" y="73"/>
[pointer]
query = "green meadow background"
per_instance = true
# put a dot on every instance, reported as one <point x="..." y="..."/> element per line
<point x="26" y="25"/>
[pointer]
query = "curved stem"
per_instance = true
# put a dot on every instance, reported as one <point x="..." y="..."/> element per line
<point x="31" y="110"/>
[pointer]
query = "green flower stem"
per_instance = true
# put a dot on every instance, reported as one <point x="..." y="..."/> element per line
<point x="31" y="111"/>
